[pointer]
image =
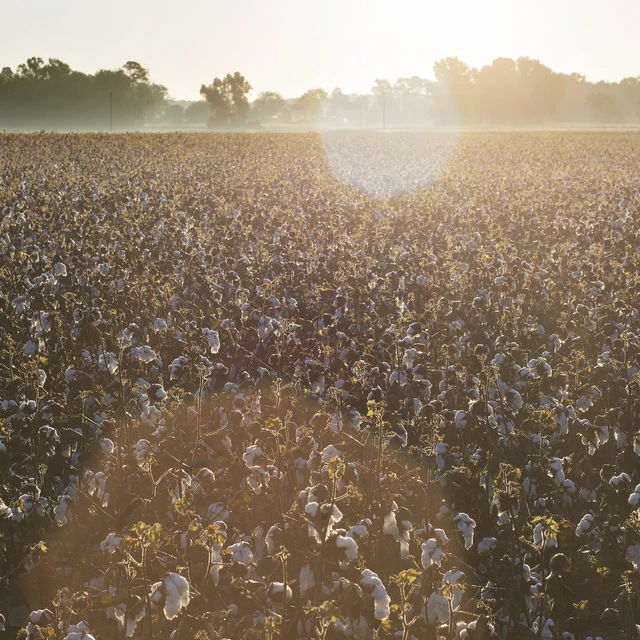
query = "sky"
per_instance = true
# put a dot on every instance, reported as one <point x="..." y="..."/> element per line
<point x="290" y="46"/>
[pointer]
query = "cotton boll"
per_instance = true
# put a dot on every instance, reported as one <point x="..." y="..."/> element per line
<point x="382" y="601"/>
<point x="307" y="581"/>
<point x="350" y="547"/>
<point x="633" y="556"/>
<point x="487" y="545"/>
<point x="437" y="609"/>
<point x="585" y="524"/>
<point x="330" y="453"/>
<point x="107" y="445"/>
<point x="172" y="593"/>
<point x="432" y="553"/>
<point x="241" y="552"/>
<point x="465" y="525"/>
<point x="111" y="543"/>
<point x="61" y="511"/>
<point x="213" y="338"/>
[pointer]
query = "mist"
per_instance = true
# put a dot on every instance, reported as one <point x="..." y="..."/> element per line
<point x="40" y="95"/>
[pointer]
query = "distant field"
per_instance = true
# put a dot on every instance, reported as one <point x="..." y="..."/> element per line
<point x="288" y="384"/>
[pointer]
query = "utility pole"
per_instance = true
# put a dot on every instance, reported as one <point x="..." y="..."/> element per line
<point x="384" y="107"/>
<point x="110" y="111"/>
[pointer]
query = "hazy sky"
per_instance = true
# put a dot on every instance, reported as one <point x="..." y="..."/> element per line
<point x="294" y="45"/>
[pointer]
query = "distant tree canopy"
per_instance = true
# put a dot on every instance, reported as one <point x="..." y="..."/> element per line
<point x="227" y="100"/>
<point x="51" y="95"/>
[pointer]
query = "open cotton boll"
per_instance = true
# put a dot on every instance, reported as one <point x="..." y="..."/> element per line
<point x="111" y="543"/>
<point x="107" y="445"/>
<point x="350" y="547"/>
<point x="437" y="609"/>
<point x="134" y="615"/>
<point x="585" y="524"/>
<point x="487" y="545"/>
<point x="177" y="595"/>
<point x="213" y="338"/>
<point x="307" y="580"/>
<point x="173" y="591"/>
<point x="276" y="590"/>
<point x="79" y="635"/>
<point x="381" y="599"/>
<point x="465" y="525"/>
<point x="253" y="451"/>
<point x="330" y="453"/>
<point x="634" y="498"/>
<point x="241" y="552"/>
<point x="62" y="510"/>
<point x="619" y="481"/>
<point x="141" y="449"/>
<point x="432" y="553"/>
<point x="633" y="556"/>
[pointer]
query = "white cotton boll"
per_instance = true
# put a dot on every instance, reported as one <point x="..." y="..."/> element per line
<point x="634" y="498"/>
<point x="214" y="339"/>
<point x="432" y="552"/>
<point x="141" y="449"/>
<point x="619" y="481"/>
<point x="119" y="613"/>
<point x="547" y="629"/>
<point x="633" y="556"/>
<point x="465" y="525"/>
<point x="329" y="453"/>
<point x="70" y="375"/>
<point x="108" y="362"/>
<point x="143" y="353"/>
<point x="176" y="595"/>
<point x="461" y="419"/>
<point x="437" y="609"/>
<point x="350" y="547"/>
<point x="307" y="581"/>
<point x="61" y="510"/>
<point x="30" y="348"/>
<point x="487" y="545"/>
<point x="253" y="451"/>
<point x="106" y="444"/>
<point x="241" y="552"/>
<point x="276" y="591"/>
<point x="60" y="269"/>
<point x="360" y="530"/>
<point x="381" y="599"/>
<point x="585" y="524"/>
<point x="587" y="495"/>
<point x="111" y="543"/>
<point x="79" y="635"/>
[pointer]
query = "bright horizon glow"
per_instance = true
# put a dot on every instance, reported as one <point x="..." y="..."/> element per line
<point x="291" y="46"/>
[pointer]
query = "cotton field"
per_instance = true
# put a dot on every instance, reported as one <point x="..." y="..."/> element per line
<point x="370" y="385"/>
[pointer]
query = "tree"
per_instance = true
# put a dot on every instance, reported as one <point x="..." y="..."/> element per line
<point x="454" y="97"/>
<point x="197" y="112"/>
<point x="268" y="105"/>
<point x="412" y="98"/>
<point x="136" y="72"/>
<point x="338" y="104"/>
<point x="603" y="108"/>
<point x="307" y="106"/>
<point x="227" y="99"/>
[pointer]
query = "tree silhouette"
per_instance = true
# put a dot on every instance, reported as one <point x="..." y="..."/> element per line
<point x="227" y="100"/>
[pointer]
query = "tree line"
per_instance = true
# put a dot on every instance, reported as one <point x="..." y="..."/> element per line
<point x="39" y="95"/>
